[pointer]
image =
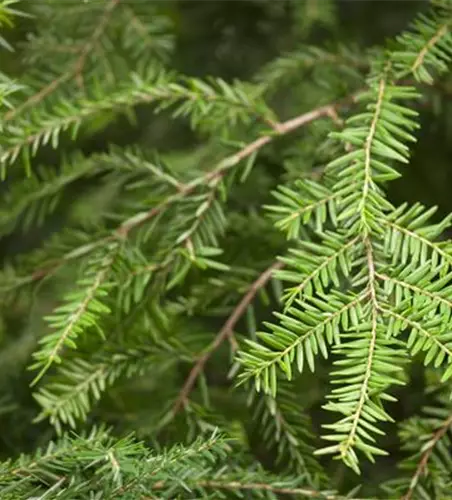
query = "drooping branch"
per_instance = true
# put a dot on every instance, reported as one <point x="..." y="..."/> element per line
<point x="425" y="457"/>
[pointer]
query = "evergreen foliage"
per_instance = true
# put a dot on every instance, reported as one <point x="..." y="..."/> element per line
<point x="154" y="219"/>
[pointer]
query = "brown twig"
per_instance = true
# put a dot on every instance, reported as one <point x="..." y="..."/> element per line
<point x="438" y="434"/>
<point x="299" y="121"/>
<point x="222" y="335"/>
<point x="76" y="69"/>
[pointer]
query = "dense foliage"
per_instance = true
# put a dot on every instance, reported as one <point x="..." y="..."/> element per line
<point x="222" y="274"/>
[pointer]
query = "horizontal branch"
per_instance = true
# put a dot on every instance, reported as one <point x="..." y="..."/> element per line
<point x="435" y="296"/>
<point x="184" y="190"/>
<point x="432" y="245"/>
<point x="416" y="326"/>
<point x="230" y="162"/>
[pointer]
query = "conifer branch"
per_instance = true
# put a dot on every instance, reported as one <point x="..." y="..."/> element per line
<point x="77" y="68"/>
<point x="224" y="333"/>
<point x="369" y="282"/>
<point x="52" y="454"/>
<point x="309" y="208"/>
<point x="417" y="327"/>
<point x="364" y="387"/>
<point x="432" y="245"/>
<point x="310" y="200"/>
<point x="318" y="270"/>
<point x="296" y="343"/>
<point x="69" y="395"/>
<point x="56" y="264"/>
<point x="138" y="25"/>
<point x="284" y="429"/>
<point x="80" y="311"/>
<point x="422" y="465"/>
<point x="417" y="289"/>
<point x="183" y="190"/>
<point x="299" y="121"/>
<point x="426" y="45"/>
<point x="104" y="21"/>
<point x="291" y="65"/>
<point x="226" y="164"/>
<point x="302" y="492"/>
<point x="97" y="376"/>
<point x="73" y="320"/>
<point x="441" y="32"/>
